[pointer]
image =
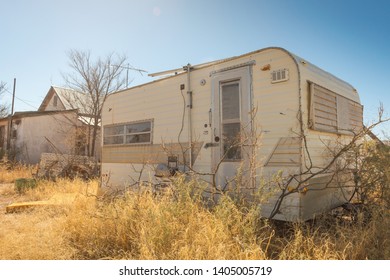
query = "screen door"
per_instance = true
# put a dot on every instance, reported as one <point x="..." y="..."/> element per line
<point x="231" y="122"/>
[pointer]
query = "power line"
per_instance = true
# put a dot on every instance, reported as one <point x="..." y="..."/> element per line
<point x="25" y="102"/>
<point x="52" y="116"/>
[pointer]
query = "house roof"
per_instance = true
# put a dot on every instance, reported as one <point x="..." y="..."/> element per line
<point x="27" y="114"/>
<point x="70" y="98"/>
<point x="87" y="120"/>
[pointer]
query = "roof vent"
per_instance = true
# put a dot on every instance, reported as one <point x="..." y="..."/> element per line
<point x="280" y="75"/>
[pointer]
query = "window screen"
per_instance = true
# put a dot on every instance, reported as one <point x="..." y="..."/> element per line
<point x="230" y="102"/>
<point x="231" y="123"/>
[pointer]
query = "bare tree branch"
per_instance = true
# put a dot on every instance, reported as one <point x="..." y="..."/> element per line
<point x="4" y="108"/>
<point x="338" y="154"/>
<point x="96" y="79"/>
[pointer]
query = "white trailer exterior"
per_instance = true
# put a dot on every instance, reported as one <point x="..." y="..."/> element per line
<point x="294" y="108"/>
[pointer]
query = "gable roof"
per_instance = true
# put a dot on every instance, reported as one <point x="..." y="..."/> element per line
<point x="26" y="114"/>
<point x="70" y="99"/>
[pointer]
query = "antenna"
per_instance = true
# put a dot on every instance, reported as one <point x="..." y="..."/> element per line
<point x="129" y="67"/>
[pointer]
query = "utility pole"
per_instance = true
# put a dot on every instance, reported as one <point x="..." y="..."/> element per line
<point x="10" y="119"/>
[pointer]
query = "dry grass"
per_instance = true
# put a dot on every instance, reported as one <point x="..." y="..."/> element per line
<point x="8" y="173"/>
<point x="170" y="226"/>
<point x="34" y="236"/>
<point x="174" y="225"/>
<point x="39" y="233"/>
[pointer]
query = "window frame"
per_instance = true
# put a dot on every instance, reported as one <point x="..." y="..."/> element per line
<point x="124" y="134"/>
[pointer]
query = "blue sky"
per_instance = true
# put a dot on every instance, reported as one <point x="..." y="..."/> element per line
<point x="348" y="38"/>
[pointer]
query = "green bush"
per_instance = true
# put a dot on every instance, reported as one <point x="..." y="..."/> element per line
<point x="22" y="184"/>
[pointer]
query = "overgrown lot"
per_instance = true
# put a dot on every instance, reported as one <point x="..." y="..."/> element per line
<point x="172" y="225"/>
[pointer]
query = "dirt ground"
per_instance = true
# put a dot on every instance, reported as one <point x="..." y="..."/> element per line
<point x="28" y="235"/>
<point x="8" y="222"/>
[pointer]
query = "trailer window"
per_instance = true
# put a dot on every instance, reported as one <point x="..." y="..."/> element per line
<point x="128" y="133"/>
<point x="331" y="112"/>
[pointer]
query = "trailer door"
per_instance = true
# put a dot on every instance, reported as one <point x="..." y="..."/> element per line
<point x="231" y="106"/>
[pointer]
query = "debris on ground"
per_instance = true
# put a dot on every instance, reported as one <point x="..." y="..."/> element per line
<point x="70" y="166"/>
<point x="60" y="199"/>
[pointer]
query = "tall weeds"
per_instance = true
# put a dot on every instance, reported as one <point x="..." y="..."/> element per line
<point x="9" y="173"/>
<point x="172" y="225"/>
<point x="176" y="224"/>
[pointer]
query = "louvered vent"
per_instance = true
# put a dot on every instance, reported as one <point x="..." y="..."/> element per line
<point x="280" y="75"/>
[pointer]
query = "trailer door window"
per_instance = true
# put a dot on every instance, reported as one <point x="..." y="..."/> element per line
<point x="231" y="123"/>
<point x="129" y="133"/>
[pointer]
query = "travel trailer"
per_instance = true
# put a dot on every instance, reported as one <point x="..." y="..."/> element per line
<point x="256" y="115"/>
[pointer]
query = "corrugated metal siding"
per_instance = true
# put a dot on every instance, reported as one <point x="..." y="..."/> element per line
<point x="325" y="192"/>
<point x="163" y="102"/>
<point x="277" y="117"/>
<point x="330" y="107"/>
<point x="330" y="120"/>
<point x="121" y="175"/>
<point x="289" y="209"/>
<point x="277" y="104"/>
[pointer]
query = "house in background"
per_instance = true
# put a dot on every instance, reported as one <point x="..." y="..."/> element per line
<point x="61" y="125"/>
<point x="34" y="133"/>
<point x="58" y="98"/>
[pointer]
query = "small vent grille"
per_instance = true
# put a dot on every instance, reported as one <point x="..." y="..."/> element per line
<point x="280" y="75"/>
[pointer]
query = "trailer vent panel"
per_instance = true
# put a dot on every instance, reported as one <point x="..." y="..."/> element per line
<point x="280" y="75"/>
